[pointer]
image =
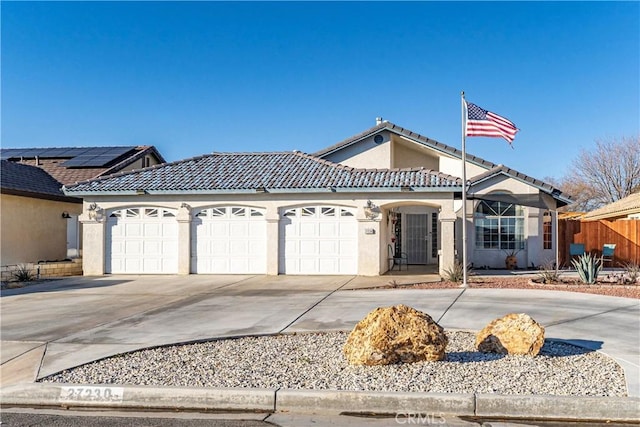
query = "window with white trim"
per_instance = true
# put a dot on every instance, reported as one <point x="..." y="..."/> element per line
<point x="499" y="225"/>
<point x="547" y="230"/>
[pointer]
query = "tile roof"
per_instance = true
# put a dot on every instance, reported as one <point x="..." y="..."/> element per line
<point x="271" y="171"/>
<point x="620" y="208"/>
<point x="45" y="158"/>
<point x="16" y="178"/>
<point x="443" y="148"/>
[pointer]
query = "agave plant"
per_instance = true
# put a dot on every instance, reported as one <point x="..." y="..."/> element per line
<point x="588" y="267"/>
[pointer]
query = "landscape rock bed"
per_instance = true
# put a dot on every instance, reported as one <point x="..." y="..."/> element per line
<point x="488" y="282"/>
<point x="315" y="361"/>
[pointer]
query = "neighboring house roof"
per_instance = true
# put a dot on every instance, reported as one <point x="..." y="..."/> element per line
<point x="30" y="181"/>
<point x="619" y="209"/>
<point x="570" y="215"/>
<point x="273" y="172"/>
<point x="74" y="164"/>
<point x="493" y="169"/>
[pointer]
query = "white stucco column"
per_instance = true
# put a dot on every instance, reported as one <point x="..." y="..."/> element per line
<point x="93" y="242"/>
<point x="369" y="241"/>
<point x="447" y="241"/>
<point x="368" y="247"/>
<point x="273" y="243"/>
<point x="184" y="239"/>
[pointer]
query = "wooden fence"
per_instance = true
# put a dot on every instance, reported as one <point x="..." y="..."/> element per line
<point x="625" y="234"/>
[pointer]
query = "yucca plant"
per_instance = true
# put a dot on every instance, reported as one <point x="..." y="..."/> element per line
<point x="455" y="273"/>
<point x="23" y="273"/>
<point x="587" y="267"/>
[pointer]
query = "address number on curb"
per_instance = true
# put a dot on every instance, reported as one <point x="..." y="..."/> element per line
<point x="91" y="394"/>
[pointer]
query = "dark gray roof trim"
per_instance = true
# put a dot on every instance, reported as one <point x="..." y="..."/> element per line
<point x="30" y="181"/>
<point x="240" y="172"/>
<point x="444" y="148"/>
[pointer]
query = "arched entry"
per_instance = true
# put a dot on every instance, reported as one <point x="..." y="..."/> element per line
<point x="416" y="232"/>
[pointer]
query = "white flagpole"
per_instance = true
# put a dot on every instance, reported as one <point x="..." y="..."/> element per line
<point x="464" y="192"/>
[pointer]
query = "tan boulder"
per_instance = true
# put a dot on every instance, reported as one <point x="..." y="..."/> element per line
<point x="511" y="334"/>
<point x="395" y="334"/>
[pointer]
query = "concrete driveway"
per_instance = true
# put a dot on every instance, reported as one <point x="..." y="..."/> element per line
<point x="64" y="323"/>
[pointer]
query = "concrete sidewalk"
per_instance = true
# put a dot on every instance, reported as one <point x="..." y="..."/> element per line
<point x="64" y="323"/>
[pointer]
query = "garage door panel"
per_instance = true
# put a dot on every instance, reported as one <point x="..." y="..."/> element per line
<point x="257" y="248"/>
<point x="309" y="265"/>
<point x="328" y="229"/>
<point x="142" y="241"/>
<point x="132" y="247"/>
<point x="308" y="247"/>
<point x="239" y="230"/>
<point x="318" y="240"/>
<point x="308" y="230"/>
<point x="220" y="230"/>
<point x="234" y="241"/>
<point x="238" y="248"/>
<point x="328" y="264"/>
<point x="328" y="247"/>
<point x="151" y="248"/>
<point x="132" y="230"/>
<point x="291" y="248"/>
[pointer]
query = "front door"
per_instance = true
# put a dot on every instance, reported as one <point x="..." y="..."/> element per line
<point x="420" y="237"/>
<point x="417" y="238"/>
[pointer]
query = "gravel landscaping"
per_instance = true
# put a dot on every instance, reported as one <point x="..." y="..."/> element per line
<point x="601" y="288"/>
<point x="315" y="361"/>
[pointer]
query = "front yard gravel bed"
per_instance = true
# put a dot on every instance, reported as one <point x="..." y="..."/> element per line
<point x="315" y="361"/>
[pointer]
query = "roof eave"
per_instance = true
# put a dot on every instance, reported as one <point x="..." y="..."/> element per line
<point x="441" y="189"/>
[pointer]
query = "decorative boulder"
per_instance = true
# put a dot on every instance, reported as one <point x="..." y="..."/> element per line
<point x="511" y="334"/>
<point x="395" y="334"/>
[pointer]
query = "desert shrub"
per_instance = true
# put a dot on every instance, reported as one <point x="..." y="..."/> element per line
<point x="455" y="273"/>
<point x="633" y="271"/>
<point x="23" y="274"/>
<point x="548" y="273"/>
<point x="588" y="267"/>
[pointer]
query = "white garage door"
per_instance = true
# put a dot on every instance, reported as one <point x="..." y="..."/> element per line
<point x="229" y="239"/>
<point x="142" y="241"/>
<point x="319" y="240"/>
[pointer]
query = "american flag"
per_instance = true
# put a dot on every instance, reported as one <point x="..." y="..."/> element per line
<point x="481" y="122"/>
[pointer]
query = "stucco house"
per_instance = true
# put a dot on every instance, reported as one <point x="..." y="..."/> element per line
<point x="345" y="209"/>
<point x="33" y="226"/>
<point x="39" y="222"/>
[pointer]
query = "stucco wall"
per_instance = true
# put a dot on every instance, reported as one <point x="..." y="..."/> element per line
<point x="367" y="154"/>
<point x="533" y="252"/>
<point x="32" y="229"/>
<point x="372" y="253"/>
<point x="405" y="157"/>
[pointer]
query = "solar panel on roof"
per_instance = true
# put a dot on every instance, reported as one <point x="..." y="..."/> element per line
<point x="78" y="156"/>
<point x="97" y="157"/>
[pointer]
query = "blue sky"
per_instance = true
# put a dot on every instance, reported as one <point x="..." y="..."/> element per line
<point x="193" y="78"/>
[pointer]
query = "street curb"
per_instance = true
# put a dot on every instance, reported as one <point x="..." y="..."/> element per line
<point x="271" y="400"/>
<point x="146" y="397"/>
<point x="373" y="402"/>
<point x="558" y="407"/>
